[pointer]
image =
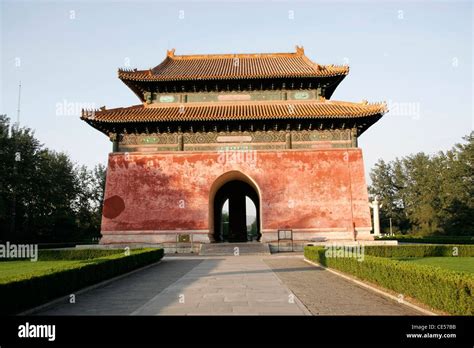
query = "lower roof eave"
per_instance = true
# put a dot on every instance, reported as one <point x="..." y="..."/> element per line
<point x="319" y="123"/>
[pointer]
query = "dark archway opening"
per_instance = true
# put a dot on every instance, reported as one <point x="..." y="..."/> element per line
<point x="235" y="229"/>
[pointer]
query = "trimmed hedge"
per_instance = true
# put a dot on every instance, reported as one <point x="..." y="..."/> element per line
<point x="58" y="245"/>
<point x="445" y="290"/>
<point x="64" y="245"/>
<point x="21" y="295"/>
<point x="76" y="254"/>
<point x="70" y="254"/>
<point x="430" y="239"/>
<point x="419" y="250"/>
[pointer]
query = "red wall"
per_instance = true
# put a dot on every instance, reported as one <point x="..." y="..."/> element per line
<point x="309" y="191"/>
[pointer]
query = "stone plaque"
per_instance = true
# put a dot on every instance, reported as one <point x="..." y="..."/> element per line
<point x="166" y="99"/>
<point x="234" y="139"/>
<point x="301" y="95"/>
<point x="233" y="97"/>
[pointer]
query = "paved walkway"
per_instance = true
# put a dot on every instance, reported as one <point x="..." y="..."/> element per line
<point x="125" y="295"/>
<point x="255" y="285"/>
<point x="226" y="285"/>
<point x="325" y="293"/>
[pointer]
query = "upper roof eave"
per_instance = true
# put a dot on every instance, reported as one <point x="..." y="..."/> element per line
<point x="234" y="66"/>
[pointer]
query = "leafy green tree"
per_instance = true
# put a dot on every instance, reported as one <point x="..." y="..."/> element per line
<point x="253" y="233"/>
<point x="387" y="185"/>
<point x="458" y="188"/>
<point x="44" y="196"/>
<point x="88" y="203"/>
<point x="50" y="216"/>
<point x="428" y="194"/>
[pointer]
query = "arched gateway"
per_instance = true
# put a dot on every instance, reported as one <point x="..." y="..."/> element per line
<point x="233" y="187"/>
<point x="212" y="128"/>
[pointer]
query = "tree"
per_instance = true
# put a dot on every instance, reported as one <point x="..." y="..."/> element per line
<point x="387" y="185"/>
<point x="49" y="215"/>
<point x="44" y="196"/>
<point x="253" y="233"/>
<point x="88" y="203"/>
<point x="428" y="194"/>
<point x="458" y="188"/>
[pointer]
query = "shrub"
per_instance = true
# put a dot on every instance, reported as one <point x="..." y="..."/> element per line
<point x="431" y="239"/>
<point x="71" y="254"/>
<point x="76" y="254"/>
<point x="445" y="290"/>
<point x="419" y="250"/>
<point x="65" y="244"/>
<point x="26" y="293"/>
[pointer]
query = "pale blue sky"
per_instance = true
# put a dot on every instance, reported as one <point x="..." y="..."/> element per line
<point x="416" y="56"/>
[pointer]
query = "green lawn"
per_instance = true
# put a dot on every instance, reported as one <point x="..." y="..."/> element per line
<point x="52" y="261"/>
<point x="461" y="264"/>
<point x="17" y="270"/>
<point x="26" y="284"/>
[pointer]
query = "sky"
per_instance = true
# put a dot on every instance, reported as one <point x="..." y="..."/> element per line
<point x="416" y="56"/>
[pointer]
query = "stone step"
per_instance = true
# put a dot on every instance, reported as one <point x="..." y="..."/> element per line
<point x="229" y="249"/>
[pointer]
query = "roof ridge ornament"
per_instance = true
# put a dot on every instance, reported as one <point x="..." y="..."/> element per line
<point x="170" y="53"/>
<point x="299" y="50"/>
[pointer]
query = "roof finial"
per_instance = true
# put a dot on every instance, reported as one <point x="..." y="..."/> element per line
<point x="170" y="53"/>
<point x="300" y="50"/>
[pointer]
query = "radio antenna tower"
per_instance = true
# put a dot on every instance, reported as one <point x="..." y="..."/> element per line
<point x="18" y="109"/>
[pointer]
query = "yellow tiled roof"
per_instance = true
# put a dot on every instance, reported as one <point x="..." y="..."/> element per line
<point x="223" y="111"/>
<point x="233" y="66"/>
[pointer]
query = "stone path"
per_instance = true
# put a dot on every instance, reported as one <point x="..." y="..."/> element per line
<point x="125" y="295"/>
<point x="325" y="293"/>
<point x="229" y="285"/>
